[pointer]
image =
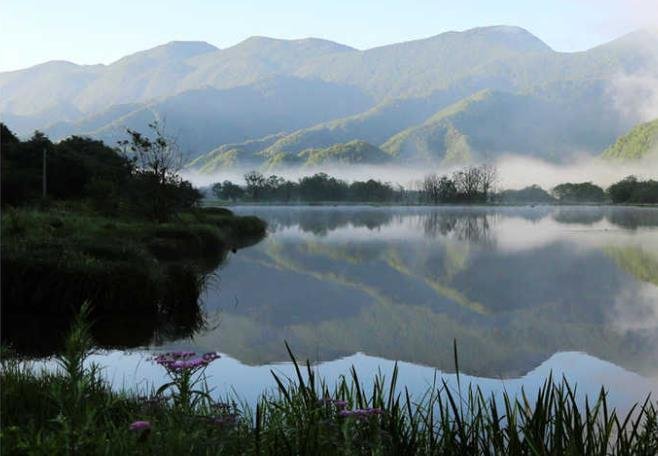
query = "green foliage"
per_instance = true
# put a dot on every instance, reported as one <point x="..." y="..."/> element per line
<point x="584" y="192"/>
<point x="73" y="166"/>
<point x="640" y="142"/>
<point x="531" y="194"/>
<point x="372" y="190"/>
<point x="82" y="169"/>
<point x="322" y="187"/>
<point x="632" y="190"/>
<point x="227" y="191"/>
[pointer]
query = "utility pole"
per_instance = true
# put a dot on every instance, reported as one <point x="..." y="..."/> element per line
<point x="43" y="175"/>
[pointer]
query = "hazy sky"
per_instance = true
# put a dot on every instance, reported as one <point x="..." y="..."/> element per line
<point x="89" y="31"/>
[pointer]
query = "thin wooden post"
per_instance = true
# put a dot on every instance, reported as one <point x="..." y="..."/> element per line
<point x="43" y="175"/>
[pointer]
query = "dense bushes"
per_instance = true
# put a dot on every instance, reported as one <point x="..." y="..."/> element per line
<point x="584" y="192"/>
<point x="77" y="168"/>
<point x="632" y="190"/>
<point x="531" y="194"/>
<point x="142" y="182"/>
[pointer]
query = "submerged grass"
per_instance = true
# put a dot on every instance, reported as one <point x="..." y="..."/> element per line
<point x="72" y="411"/>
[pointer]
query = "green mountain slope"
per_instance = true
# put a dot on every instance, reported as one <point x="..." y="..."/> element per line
<point x="640" y="142"/>
<point x="547" y="124"/>
<point x="228" y="156"/>
<point x="205" y="119"/>
<point x="351" y="153"/>
<point x="375" y="125"/>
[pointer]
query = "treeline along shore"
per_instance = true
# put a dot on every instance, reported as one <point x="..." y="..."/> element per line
<point x="82" y="221"/>
<point x="469" y="185"/>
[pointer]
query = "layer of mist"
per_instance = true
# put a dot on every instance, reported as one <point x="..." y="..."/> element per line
<point x="514" y="172"/>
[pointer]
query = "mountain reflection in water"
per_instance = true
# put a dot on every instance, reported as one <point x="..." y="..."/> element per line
<point x="513" y="286"/>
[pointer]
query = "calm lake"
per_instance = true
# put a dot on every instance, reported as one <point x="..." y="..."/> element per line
<point x="524" y="291"/>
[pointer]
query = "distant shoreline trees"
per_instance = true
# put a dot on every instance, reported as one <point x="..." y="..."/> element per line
<point x="632" y="190"/>
<point x="316" y="188"/>
<point x="472" y="185"/>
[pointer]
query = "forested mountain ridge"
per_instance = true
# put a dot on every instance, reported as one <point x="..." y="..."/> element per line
<point x="640" y="142"/>
<point x="420" y="100"/>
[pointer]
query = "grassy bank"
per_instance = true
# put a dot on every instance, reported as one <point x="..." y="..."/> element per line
<point x="55" y="259"/>
<point x="74" y="412"/>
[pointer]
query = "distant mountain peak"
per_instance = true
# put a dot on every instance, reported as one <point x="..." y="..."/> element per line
<point x="173" y="50"/>
<point x="513" y="36"/>
<point x="317" y="43"/>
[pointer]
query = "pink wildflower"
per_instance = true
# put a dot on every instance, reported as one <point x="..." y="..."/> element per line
<point x="140" y="425"/>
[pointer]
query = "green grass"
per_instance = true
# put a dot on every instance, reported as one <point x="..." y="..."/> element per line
<point x="73" y="411"/>
<point x="118" y="263"/>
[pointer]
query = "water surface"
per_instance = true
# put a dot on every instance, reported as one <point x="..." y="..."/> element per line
<point x="524" y="291"/>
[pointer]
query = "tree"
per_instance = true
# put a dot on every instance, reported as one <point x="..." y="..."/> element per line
<point x="632" y="190"/>
<point x="622" y="191"/>
<point x="470" y="185"/>
<point x="157" y="188"/>
<point x="227" y="190"/>
<point x="430" y="188"/>
<point x="160" y="157"/>
<point x="467" y="182"/>
<point x="446" y="190"/>
<point x="475" y="183"/>
<point x="371" y="190"/>
<point x="531" y="194"/>
<point x="255" y="185"/>
<point x="77" y="168"/>
<point x="322" y="187"/>
<point x="584" y="192"/>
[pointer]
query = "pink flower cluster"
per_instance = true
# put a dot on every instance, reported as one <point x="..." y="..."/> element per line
<point x="184" y="360"/>
<point x="360" y="413"/>
<point x="140" y="425"/>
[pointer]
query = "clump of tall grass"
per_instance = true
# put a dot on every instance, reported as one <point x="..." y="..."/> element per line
<point x="74" y="412"/>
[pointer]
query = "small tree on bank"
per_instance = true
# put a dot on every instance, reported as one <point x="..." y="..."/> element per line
<point x="158" y="190"/>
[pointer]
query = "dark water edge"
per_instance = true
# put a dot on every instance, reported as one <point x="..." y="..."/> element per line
<point x="141" y="293"/>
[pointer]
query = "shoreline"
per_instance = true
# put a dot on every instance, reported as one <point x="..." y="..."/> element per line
<point x="220" y="203"/>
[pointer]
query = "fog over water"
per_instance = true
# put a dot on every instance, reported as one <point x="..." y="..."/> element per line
<point x="514" y="172"/>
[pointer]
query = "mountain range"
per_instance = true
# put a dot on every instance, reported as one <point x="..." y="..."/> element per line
<point x="266" y="103"/>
